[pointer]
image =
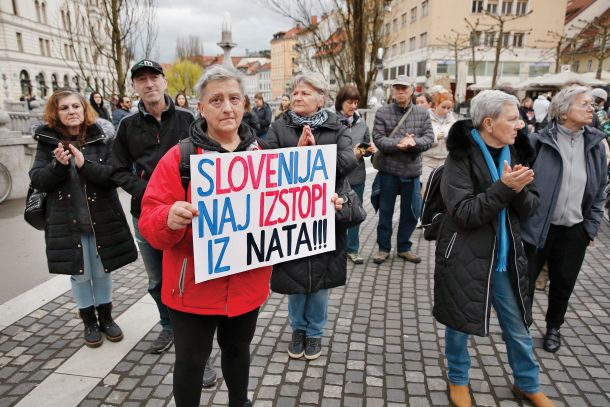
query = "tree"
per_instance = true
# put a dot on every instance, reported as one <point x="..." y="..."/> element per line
<point x="117" y="30"/>
<point x="456" y="42"/>
<point x="182" y="77"/>
<point x="346" y="38"/>
<point x="596" y="33"/>
<point x="474" y="42"/>
<point x="500" y="26"/>
<point x="189" y="48"/>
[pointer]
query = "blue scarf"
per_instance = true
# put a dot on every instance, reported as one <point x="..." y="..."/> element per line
<point x="495" y="176"/>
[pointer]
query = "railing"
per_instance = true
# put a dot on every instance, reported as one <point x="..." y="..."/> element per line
<point x="22" y="121"/>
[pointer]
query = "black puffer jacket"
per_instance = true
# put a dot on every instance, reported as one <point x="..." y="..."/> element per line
<point x="466" y="247"/>
<point x="80" y="200"/>
<point x="325" y="270"/>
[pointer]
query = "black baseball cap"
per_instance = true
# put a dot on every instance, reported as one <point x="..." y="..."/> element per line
<point x="146" y="64"/>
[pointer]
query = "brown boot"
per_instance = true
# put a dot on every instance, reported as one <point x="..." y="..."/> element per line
<point x="459" y="395"/>
<point x="537" y="399"/>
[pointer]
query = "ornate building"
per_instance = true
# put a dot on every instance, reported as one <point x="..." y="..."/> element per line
<point x="38" y="54"/>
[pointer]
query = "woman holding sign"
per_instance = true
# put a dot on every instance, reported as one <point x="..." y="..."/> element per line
<point x="307" y="281"/>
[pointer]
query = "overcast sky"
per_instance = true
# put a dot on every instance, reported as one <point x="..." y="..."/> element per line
<point x="253" y="26"/>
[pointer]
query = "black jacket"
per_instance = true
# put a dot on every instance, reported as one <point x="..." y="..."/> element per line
<point x="79" y="201"/>
<point x="251" y="120"/>
<point x="325" y="270"/>
<point x="465" y="256"/>
<point x="140" y="143"/>
<point x="264" y="118"/>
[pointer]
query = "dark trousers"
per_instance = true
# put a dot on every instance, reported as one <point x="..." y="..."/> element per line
<point x="564" y="251"/>
<point x="193" y="336"/>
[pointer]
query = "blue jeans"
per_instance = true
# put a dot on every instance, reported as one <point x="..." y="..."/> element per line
<point x="417" y="199"/>
<point x="94" y="286"/>
<point x="353" y="239"/>
<point x="308" y="312"/>
<point x="391" y="186"/>
<point x="153" y="263"/>
<point x="516" y="336"/>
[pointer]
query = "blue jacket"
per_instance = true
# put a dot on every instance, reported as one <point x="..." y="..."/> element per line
<point x="548" y="174"/>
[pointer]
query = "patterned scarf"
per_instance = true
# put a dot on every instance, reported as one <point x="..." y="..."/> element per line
<point x="313" y="121"/>
<point x="495" y="176"/>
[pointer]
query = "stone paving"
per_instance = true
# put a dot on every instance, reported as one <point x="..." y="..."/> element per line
<point x="381" y="348"/>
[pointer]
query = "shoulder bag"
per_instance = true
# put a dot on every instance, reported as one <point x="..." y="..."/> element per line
<point x="35" y="208"/>
<point x="376" y="158"/>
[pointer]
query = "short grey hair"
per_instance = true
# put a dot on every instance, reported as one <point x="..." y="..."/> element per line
<point x="218" y="73"/>
<point x="563" y="100"/>
<point x="315" y="80"/>
<point x="489" y="103"/>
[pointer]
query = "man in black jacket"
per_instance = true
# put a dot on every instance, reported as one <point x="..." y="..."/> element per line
<point x="142" y="139"/>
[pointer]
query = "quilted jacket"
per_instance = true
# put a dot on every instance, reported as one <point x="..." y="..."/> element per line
<point x="466" y="248"/>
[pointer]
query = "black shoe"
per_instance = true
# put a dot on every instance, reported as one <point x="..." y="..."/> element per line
<point x="247" y="404"/>
<point x="552" y="340"/>
<point x="313" y="348"/>
<point x="209" y="375"/>
<point x="107" y="324"/>
<point x="296" y="349"/>
<point x="93" y="336"/>
<point x="163" y="342"/>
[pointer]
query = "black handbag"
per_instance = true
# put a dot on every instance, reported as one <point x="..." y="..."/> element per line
<point x="35" y="208"/>
<point x="352" y="212"/>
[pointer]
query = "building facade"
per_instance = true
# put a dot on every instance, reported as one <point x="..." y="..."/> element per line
<point x="419" y="34"/>
<point x="38" y="55"/>
<point x="284" y="59"/>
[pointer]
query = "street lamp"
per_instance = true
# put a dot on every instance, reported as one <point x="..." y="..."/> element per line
<point x="379" y="95"/>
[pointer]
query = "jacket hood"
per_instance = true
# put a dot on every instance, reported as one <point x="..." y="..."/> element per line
<point x="199" y="135"/>
<point x="331" y="123"/>
<point x="592" y="135"/>
<point x="460" y="143"/>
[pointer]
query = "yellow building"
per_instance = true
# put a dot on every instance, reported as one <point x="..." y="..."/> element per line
<point x="283" y="60"/>
<point x="418" y="33"/>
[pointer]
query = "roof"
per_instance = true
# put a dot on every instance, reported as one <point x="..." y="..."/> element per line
<point x="587" y="37"/>
<point x="575" y="7"/>
<point x="291" y="33"/>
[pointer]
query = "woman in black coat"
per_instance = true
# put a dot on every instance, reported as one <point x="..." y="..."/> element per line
<point x="86" y="234"/>
<point x="97" y="103"/>
<point x="480" y="260"/>
<point x="308" y="280"/>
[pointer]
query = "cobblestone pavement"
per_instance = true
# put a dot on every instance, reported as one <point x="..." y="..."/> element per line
<point x="381" y="347"/>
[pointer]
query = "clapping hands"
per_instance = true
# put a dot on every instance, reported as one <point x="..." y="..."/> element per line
<point x="518" y="177"/>
<point x="306" y="138"/>
<point x="407" y="142"/>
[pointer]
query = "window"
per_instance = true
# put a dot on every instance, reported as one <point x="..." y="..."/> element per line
<point x="63" y="20"/>
<point x="386" y="73"/>
<point x="41" y="44"/>
<point x="423" y="40"/>
<point x="538" y="69"/>
<point x="54" y="84"/>
<point x="401" y="70"/>
<point x="507" y="7"/>
<point x="521" y="7"/>
<point x="492" y="6"/>
<point x="387" y="28"/>
<point x="19" y="42"/>
<point x="421" y="68"/>
<point x="510" y="68"/>
<point x="403" y="47"/>
<point x="15" y="9"/>
<point x="414" y="14"/>
<point x="518" y="40"/>
<point x="481" y="68"/>
<point x="37" y="6"/>
<point x="66" y="81"/>
<point x="66" y="52"/>
<point x="412" y="44"/>
<point x="476" y="38"/>
<point x="576" y="66"/>
<point x="506" y="39"/>
<point x="394" y="48"/>
<point x="395" y="24"/>
<point x="490" y="38"/>
<point x="445" y="67"/>
<point x="403" y="20"/>
<point x="424" y="8"/>
<point x="408" y="66"/>
<point x="477" y="6"/>
<point x="589" y="65"/>
<point x="44" y="12"/>
<point x="393" y="73"/>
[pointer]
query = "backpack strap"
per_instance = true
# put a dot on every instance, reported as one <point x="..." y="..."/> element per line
<point x="187" y="148"/>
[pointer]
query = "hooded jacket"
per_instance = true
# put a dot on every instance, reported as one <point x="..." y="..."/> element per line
<point x="465" y="255"/>
<point x="325" y="270"/>
<point x="81" y="200"/>
<point x="140" y="143"/>
<point x="231" y="296"/>
<point x="548" y="169"/>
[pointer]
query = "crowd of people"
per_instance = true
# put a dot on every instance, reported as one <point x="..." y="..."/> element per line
<point x="523" y="185"/>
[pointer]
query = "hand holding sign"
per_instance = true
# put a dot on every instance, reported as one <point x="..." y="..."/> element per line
<point x="181" y="215"/>
<point x="306" y="138"/>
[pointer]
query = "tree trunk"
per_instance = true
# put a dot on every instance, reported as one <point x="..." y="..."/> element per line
<point x="117" y="47"/>
<point x="494" y="78"/>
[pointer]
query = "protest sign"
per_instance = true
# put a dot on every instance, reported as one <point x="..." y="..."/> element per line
<point x="258" y="208"/>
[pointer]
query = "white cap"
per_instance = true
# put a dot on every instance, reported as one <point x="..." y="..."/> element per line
<point x="599" y="93"/>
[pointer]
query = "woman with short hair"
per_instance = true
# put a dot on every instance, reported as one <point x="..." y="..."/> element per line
<point x="479" y="260"/>
<point x="86" y="235"/>
<point x="571" y="175"/>
<point x="307" y="280"/>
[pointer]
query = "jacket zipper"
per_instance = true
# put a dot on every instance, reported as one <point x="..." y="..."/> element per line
<point x="182" y="277"/>
<point x="515" y="259"/>
<point x="450" y="246"/>
<point x="90" y="218"/>
<point x="493" y="254"/>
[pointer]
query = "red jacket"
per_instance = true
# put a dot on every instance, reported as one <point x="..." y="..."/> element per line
<point x="233" y="295"/>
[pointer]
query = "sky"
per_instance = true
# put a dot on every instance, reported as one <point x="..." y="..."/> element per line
<point x="253" y="26"/>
